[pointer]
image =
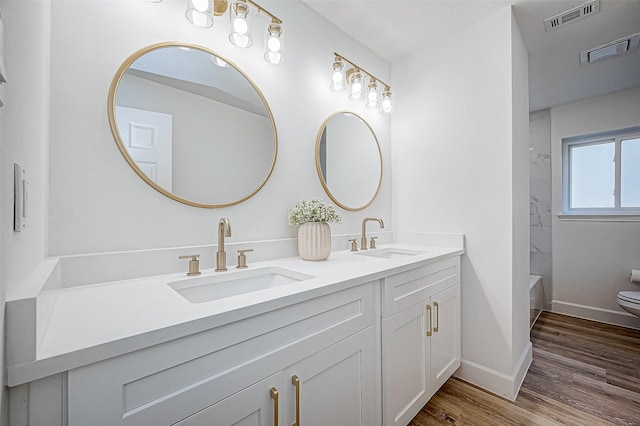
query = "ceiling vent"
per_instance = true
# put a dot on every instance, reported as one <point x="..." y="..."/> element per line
<point x="619" y="47"/>
<point x="587" y="9"/>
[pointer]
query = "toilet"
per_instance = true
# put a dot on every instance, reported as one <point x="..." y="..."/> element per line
<point x="630" y="301"/>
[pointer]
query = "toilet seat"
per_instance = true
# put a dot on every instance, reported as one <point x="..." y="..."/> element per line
<point x="630" y="301"/>
<point x="630" y="296"/>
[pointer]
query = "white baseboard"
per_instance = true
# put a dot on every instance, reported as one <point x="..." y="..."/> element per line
<point x="494" y="381"/>
<point x="621" y="318"/>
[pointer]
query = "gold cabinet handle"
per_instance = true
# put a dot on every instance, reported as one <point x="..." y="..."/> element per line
<point x="296" y="382"/>
<point x="274" y="396"/>
<point x="437" y="308"/>
<point x="430" y="330"/>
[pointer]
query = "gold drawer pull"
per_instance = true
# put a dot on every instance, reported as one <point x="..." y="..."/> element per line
<point x="430" y="331"/>
<point x="274" y="396"/>
<point x="437" y="308"/>
<point x="296" y="382"/>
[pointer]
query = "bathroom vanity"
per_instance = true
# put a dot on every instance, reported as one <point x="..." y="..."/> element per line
<point x="361" y="339"/>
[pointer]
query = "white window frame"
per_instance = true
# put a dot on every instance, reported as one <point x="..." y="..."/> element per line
<point x="619" y="212"/>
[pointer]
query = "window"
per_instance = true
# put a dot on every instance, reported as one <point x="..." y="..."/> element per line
<point x="601" y="174"/>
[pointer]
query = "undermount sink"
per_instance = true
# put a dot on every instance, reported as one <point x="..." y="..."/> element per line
<point x="391" y="253"/>
<point x="214" y="287"/>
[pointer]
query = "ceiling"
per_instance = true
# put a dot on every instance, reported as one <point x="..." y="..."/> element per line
<point x="555" y="74"/>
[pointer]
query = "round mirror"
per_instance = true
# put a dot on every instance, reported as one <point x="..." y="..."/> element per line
<point x="349" y="161"/>
<point x="192" y="125"/>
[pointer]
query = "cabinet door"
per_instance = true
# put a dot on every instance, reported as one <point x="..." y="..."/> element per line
<point x="445" y="339"/>
<point x="256" y="405"/>
<point x="336" y="386"/>
<point x="405" y="361"/>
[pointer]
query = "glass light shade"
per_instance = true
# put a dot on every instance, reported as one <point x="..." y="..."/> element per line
<point x="240" y="24"/>
<point x="274" y="43"/>
<point x="373" y="99"/>
<point x="338" y="83"/>
<point x="386" y="106"/>
<point x="356" y="81"/>
<point x="200" y="13"/>
<point x="219" y="62"/>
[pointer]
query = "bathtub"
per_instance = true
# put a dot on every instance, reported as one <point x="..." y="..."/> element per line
<point x="535" y="298"/>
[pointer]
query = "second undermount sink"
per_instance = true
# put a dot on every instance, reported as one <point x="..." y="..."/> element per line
<point x="391" y="253"/>
<point x="214" y="287"/>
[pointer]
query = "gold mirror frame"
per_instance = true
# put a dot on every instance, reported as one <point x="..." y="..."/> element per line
<point x="355" y="168"/>
<point x="116" y="134"/>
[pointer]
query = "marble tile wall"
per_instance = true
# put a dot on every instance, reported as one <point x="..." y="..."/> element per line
<point x="540" y="199"/>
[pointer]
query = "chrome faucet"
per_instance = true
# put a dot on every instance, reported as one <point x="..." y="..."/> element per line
<point x="363" y="240"/>
<point x="224" y="230"/>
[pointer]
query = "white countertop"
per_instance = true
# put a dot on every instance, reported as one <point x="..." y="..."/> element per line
<point x="95" y="322"/>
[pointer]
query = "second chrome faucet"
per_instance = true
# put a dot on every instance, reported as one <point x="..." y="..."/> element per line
<point x="224" y="230"/>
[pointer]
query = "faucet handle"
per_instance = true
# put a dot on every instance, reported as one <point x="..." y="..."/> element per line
<point x="194" y="263"/>
<point x="242" y="258"/>
<point x="354" y="244"/>
<point x="372" y="244"/>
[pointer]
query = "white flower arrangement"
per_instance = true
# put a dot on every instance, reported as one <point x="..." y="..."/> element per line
<point x="312" y="211"/>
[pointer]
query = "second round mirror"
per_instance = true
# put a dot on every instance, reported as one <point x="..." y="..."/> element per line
<point x="349" y="161"/>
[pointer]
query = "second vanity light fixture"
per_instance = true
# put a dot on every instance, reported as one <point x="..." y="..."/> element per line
<point x="202" y="12"/>
<point x="354" y="78"/>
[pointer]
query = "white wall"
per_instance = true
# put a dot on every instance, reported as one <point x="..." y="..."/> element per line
<point x="24" y="138"/>
<point x="592" y="260"/>
<point x="98" y="204"/>
<point x="521" y="347"/>
<point x="457" y="133"/>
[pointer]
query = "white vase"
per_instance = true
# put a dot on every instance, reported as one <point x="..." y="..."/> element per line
<point x="314" y="240"/>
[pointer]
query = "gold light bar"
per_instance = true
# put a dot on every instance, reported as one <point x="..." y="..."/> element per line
<point x="360" y="68"/>
<point x="273" y="17"/>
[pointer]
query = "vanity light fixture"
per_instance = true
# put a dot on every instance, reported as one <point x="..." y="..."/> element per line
<point x="240" y="24"/>
<point x="355" y="78"/>
<point x="274" y="43"/>
<point x="372" y="94"/>
<point x="201" y="13"/>
<point x="338" y="83"/>
<point x="387" y="102"/>
<point x="356" y="83"/>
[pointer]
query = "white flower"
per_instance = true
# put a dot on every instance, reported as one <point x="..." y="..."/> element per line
<point x="312" y="211"/>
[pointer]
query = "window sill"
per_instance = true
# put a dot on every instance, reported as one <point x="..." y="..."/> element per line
<point x="600" y="217"/>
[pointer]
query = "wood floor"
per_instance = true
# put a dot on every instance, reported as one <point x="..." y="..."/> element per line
<point x="583" y="373"/>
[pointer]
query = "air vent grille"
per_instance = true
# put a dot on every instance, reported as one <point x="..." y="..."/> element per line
<point x="571" y="15"/>
<point x="612" y="49"/>
<point x="587" y="9"/>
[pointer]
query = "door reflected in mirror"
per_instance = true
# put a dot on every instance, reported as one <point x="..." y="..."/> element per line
<point x="192" y="125"/>
<point x="349" y="161"/>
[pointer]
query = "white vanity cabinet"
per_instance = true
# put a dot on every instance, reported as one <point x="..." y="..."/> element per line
<point x="420" y="337"/>
<point x="358" y="352"/>
<point x="224" y="375"/>
<point x="255" y="405"/>
<point x="336" y="386"/>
